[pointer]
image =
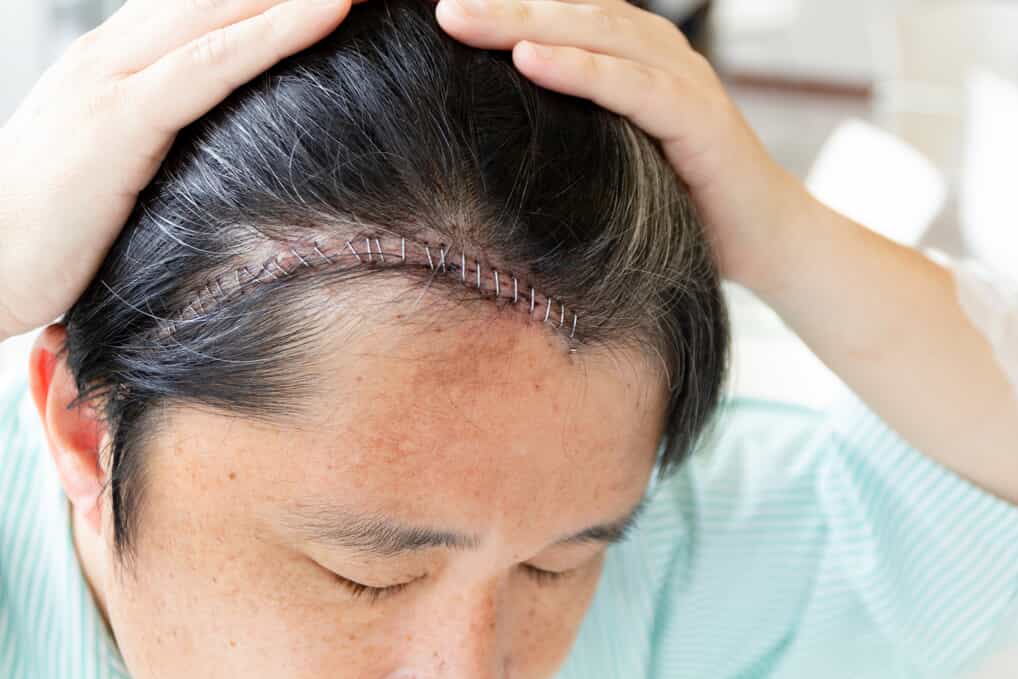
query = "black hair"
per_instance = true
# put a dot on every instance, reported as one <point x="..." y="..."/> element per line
<point x="388" y="123"/>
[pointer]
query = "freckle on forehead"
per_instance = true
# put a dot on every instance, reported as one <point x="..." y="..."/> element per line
<point x="449" y="416"/>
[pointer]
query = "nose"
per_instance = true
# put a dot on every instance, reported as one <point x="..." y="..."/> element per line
<point x="467" y="636"/>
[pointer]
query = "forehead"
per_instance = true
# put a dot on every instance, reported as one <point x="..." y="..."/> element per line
<point x="476" y="426"/>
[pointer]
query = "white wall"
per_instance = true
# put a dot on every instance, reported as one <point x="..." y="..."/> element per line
<point x="828" y="40"/>
<point x="22" y="56"/>
<point x="22" y="49"/>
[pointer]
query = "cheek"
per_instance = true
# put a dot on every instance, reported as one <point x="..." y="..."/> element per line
<point x="544" y="635"/>
<point x="234" y="608"/>
<point x="208" y="590"/>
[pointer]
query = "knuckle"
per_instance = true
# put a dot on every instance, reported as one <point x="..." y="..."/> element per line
<point x="521" y="14"/>
<point x="667" y="28"/>
<point x="272" y="22"/>
<point x="205" y="5"/>
<point x="82" y="53"/>
<point x="85" y="42"/>
<point x="699" y="61"/>
<point x="628" y="25"/>
<point x="668" y="85"/>
<point x="591" y="66"/>
<point x="661" y="21"/>
<point x="666" y="25"/>
<point x="647" y="77"/>
<point x="699" y="72"/>
<point x="101" y="101"/>
<point x="212" y="48"/>
<point x="272" y="31"/>
<point x="643" y="92"/>
<point x="651" y="86"/>
<point x="605" y="20"/>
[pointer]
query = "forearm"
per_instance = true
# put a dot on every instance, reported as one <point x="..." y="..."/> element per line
<point x="887" y="320"/>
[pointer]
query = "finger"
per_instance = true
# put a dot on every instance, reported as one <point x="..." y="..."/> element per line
<point x="606" y="3"/>
<point x="652" y="98"/>
<point x="614" y="28"/>
<point x="156" y="29"/>
<point x="202" y="73"/>
<point x="627" y="5"/>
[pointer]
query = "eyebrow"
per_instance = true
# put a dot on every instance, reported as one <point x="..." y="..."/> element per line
<point x="378" y="535"/>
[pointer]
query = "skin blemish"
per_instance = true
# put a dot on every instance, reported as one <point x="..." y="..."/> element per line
<point x="233" y="475"/>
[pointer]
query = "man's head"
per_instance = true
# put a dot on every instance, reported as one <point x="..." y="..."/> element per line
<point x="242" y="455"/>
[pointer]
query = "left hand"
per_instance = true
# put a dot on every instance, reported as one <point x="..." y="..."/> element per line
<point x="640" y="65"/>
<point x="861" y="302"/>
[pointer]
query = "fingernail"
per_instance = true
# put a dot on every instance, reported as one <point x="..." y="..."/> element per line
<point x="540" y="51"/>
<point x="473" y="5"/>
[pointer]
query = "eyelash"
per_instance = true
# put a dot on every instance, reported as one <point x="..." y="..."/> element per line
<point x="543" y="577"/>
<point x="375" y="594"/>
<point x="372" y="594"/>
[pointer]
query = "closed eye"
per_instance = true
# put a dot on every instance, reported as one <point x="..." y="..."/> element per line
<point x="373" y="594"/>
<point x="543" y="577"/>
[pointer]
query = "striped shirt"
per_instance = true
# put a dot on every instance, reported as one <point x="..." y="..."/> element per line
<point x="795" y="544"/>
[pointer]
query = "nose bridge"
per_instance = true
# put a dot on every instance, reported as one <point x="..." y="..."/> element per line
<point x="469" y="638"/>
<point x="477" y="647"/>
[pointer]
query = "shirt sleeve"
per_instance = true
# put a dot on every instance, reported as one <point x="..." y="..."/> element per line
<point x="11" y="393"/>
<point x="934" y="558"/>
<point x="990" y="299"/>
<point x="813" y="544"/>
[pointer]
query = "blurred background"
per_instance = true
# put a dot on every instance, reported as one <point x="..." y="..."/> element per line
<point x="900" y="113"/>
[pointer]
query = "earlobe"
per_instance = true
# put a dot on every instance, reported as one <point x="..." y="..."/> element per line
<point x="74" y="435"/>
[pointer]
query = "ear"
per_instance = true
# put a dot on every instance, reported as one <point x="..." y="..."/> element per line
<point x="75" y="435"/>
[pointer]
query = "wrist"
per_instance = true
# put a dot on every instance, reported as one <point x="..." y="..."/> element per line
<point x="821" y="250"/>
<point x="775" y="249"/>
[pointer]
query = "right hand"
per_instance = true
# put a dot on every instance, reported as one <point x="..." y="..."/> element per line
<point x="98" y="124"/>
